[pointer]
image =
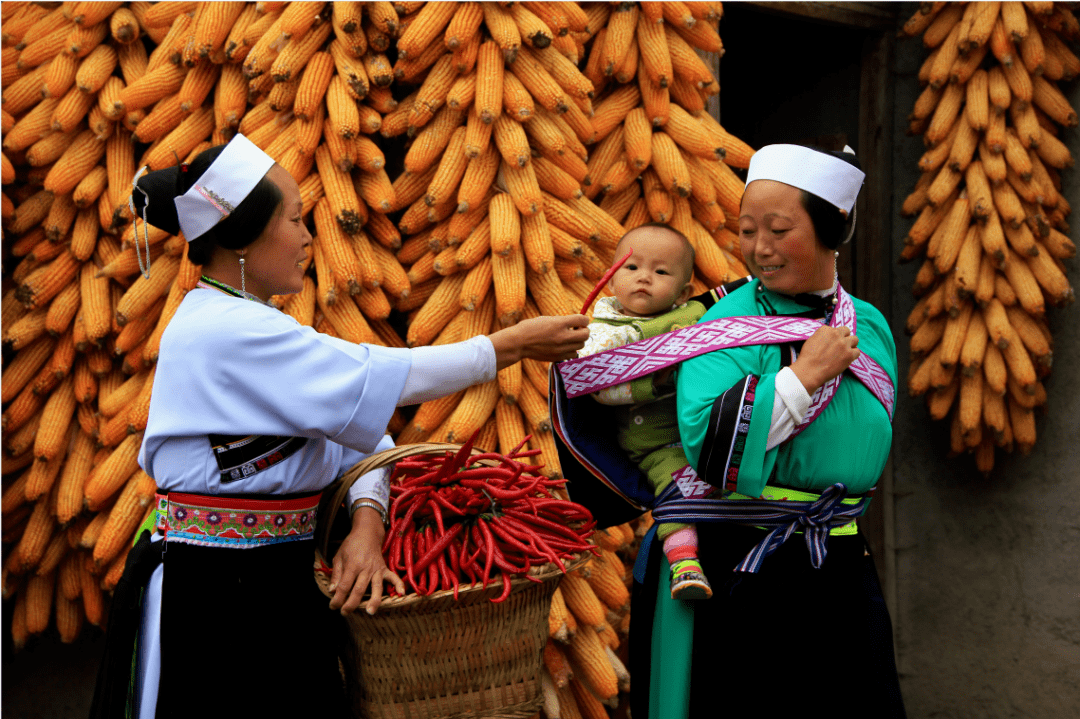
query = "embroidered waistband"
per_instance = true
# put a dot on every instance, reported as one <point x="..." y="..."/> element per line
<point x="235" y="523"/>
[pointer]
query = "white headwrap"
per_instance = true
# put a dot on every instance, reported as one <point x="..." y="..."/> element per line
<point x="830" y="178"/>
<point x="213" y="197"/>
<point x="222" y="187"/>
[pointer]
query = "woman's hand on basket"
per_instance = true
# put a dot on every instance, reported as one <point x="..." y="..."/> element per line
<point x="828" y="352"/>
<point x="359" y="564"/>
<point x="547" y="339"/>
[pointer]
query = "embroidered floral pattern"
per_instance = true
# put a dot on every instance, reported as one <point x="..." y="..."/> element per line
<point x="242" y="525"/>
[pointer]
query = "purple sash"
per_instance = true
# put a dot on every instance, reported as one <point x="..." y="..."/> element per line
<point x="586" y="375"/>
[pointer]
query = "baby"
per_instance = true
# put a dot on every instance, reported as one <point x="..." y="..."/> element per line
<point x="651" y="291"/>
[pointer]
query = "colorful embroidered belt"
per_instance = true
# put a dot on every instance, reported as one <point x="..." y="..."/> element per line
<point x="586" y="375"/>
<point x="784" y="513"/>
<point x="235" y="523"/>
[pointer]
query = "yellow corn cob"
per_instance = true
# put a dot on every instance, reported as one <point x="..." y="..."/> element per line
<point x="76" y="162"/>
<point x="124" y="517"/>
<point x="508" y="277"/>
<point x="505" y="225"/>
<point x="25" y="365"/>
<point x="47" y="281"/>
<point x="669" y="164"/>
<point x="1029" y="333"/>
<point x="587" y="652"/>
<point x="93" y="600"/>
<point x="471" y="413"/>
<point x="42" y="474"/>
<point x="144" y="292"/>
<point x="57" y="223"/>
<point x="164" y="80"/>
<point x="340" y="193"/>
<point x="500" y="24"/>
<point x="265" y="41"/>
<point x="69" y="497"/>
<point x="1048" y="98"/>
<point x="439" y="309"/>
<point x="538" y="81"/>
<point x="1049" y="276"/>
<point x="534" y="408"/>
<point x="60" y="76"/>
<point x="348" y="321"/>
<point x="376" y="189"/>
<point x="39" y="595"/>
<point x="477" y="283"/>
<point x="536" y="243"/>
<point x="523" y="187"/>
<point x="56" y="416"/>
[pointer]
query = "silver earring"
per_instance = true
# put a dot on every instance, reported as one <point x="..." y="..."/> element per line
<point x="242" y="288"/>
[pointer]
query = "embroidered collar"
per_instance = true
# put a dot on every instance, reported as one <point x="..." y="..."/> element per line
<point x="210" y="283"/>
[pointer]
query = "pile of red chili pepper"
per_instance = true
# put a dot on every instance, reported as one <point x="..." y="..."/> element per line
<point x="461" y="518"/>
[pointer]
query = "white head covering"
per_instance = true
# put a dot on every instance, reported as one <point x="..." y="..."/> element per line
<point x="222" y="187"/>
<point x="830" y="178"/>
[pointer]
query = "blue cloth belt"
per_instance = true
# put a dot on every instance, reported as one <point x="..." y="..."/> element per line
<point x="815" y="519"/>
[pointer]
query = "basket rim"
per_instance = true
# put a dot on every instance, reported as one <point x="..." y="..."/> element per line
<point x="543" y="573"/>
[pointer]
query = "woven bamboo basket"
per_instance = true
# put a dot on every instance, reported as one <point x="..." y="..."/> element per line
<point x="435" y="657"/>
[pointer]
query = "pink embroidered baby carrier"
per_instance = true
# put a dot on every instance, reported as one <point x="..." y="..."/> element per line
<point x="586" y="375"/>
<point x="575" y="425"/>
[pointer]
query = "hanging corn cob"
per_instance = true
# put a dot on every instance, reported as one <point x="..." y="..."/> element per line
<point x="991" y="223"/>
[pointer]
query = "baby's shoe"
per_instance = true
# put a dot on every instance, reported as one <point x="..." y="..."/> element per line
<point x="688" y="581"/>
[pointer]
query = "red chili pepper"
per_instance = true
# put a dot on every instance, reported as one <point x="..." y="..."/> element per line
<point x="506" y="589"/>
<point x="437" y="546"/>
<point x="489" y="547"/>
<point x="464" y="562"/>
<point x="437" y="513"/>
<point x="446" y="503"/>
<point x="447" y="579"/>
<point x="544" y="547"/>
<point x="409" y="545"/>
<point x="395" y="552"/>
<point x="413" y="506"/>
<point x="514" y="452"/>
<point x="603" y="282"/>
<point x="535" y="521"/>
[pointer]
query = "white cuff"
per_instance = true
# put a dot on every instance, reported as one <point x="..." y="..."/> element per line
<point x="791" y="391"/>
<point x="373" y="485"/>
<point x="444" y="369"/>
<point x="790" y="403"/>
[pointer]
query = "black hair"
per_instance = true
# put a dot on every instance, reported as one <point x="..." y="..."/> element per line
<point x="687" y="245"/>
<point x="236" y="231"/>
<point x="830" y="225"/>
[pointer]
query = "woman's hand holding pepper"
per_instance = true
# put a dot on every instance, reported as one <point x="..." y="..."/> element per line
<point x="359" y="563"/>
<point x="828" y="352"/>
<point x="547" y="339"/>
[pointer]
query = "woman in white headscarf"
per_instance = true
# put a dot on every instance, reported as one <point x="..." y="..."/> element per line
<point x="252" y="415"/>
<point x="793" y="436"/>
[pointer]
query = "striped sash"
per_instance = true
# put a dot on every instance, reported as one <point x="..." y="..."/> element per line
<point x="815" y="518"/>
<point x="586" y="375"/>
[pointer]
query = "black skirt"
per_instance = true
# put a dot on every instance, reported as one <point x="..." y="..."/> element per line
<point x="249" y="629"/>
<point x="782" y="640"/>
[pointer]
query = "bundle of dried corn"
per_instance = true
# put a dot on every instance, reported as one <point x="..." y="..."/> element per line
<point x="585" y="657"/>
<point x="91" y="91"/>
<point x="512" y="146"/>
<point x="991" y="219"/>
